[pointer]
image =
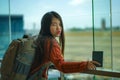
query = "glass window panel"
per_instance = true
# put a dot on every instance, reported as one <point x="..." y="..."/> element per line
<point x="105" y="24"/>
<point x="116" y="34"/>
<point x="79" y="36"/>
<point x="102" y="30"/>
<point x="75" y="15"/>
<point x="4" y="26"/>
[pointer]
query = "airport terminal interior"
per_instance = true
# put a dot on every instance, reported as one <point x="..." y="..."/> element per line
<point x="92" y="32"/>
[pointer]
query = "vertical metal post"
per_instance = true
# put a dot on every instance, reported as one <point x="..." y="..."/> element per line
<point x="93" y="25"/>
<point x="9" y="22"/>
<point x="111" y="34"/>
<point x="93" y="29"/>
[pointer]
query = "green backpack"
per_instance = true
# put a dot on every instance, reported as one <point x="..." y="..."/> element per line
<point x="18" y="59"/>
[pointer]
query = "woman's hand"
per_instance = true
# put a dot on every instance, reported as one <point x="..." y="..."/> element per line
<point x="91" y="65"/>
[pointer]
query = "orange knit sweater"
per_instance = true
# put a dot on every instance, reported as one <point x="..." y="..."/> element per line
<point x="58" y="60"/>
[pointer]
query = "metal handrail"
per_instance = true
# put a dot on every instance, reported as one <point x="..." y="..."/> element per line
<point x="104" y="73"/>
<point x="101" y="72"/>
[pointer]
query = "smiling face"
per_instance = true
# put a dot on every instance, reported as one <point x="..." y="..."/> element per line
<point x="55" y="27"/>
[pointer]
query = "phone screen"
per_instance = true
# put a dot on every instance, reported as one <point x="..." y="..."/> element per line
<point x="98" y="56"/>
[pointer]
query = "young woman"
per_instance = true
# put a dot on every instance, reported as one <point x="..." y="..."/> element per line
<point x="49" y="50"/>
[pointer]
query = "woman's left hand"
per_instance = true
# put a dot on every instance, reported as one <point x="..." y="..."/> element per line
<point x="91" y="65"/>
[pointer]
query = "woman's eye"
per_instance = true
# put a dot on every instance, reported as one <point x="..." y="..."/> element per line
<point x="54" y="24"/>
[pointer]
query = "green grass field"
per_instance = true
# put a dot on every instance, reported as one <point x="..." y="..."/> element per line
<point x="79" y="47"/>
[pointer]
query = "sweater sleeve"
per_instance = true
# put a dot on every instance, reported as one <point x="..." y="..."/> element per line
<point x="66" y="67"/>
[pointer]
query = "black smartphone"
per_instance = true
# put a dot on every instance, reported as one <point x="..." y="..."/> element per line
<point x="98" y="56"/>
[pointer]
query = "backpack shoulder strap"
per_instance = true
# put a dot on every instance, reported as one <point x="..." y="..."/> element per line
<point x="38" y="74"/>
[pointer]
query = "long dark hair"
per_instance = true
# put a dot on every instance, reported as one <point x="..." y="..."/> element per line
<point x="45" y="34"/>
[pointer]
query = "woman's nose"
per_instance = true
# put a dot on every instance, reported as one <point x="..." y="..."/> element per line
<point x="58" y="27"/>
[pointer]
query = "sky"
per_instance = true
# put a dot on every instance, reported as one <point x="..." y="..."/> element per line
<point x="75" y="13"/>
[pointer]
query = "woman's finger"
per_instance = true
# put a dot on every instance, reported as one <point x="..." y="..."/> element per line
<point x="95" y="62"/>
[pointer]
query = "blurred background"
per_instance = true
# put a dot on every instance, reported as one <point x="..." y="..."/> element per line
<point x="90" y="25"/>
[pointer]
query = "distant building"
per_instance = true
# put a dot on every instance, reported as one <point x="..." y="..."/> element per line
<point x="103" y="24"/>
<point x="17" y="31"/>
<point x="17" y="23"/>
